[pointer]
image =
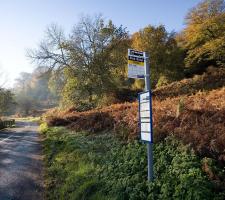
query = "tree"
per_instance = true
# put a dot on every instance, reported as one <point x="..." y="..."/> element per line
<point x="51" y="52"/>
<point x="92" y="58"/>
<point x="3" y="78"/>
<point x="204" y="38"/>
<point x="6" y="96"/>
<point x="98" y="51"/>
<point x="32" y="91"/>
<point x="6" y="101"/>
<point x="166" y="58"/>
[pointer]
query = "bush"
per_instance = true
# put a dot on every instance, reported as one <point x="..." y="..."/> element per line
<point x="178" y="173"/>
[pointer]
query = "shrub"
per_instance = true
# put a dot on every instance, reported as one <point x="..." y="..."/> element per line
<point x="178" y="173"/>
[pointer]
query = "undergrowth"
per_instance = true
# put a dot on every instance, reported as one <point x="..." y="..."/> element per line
<point x="99" y="167"/>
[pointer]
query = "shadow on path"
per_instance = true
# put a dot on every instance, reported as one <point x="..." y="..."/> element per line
<point x="21" y="163"/>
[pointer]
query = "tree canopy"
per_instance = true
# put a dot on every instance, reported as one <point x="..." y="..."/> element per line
<point x="6" y="101"/>
<point x="89" y="65"/>
<point x="203" y="37"/>
<point x="32" y="92"/>
<point x="166" y="58"/>
<point x="92" y="59"/>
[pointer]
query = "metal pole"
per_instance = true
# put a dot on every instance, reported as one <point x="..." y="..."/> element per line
<point x="149" y="145"/>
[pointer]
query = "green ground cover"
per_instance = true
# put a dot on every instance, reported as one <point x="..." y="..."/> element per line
<point x="97" y="167"/>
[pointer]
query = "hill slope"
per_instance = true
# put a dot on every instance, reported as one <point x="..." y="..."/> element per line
<point x="197" y="120"/>
<point x="213" y="78"/>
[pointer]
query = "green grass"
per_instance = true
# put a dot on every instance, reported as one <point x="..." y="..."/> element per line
<point x="71" y="162"/>
<point x="99" y="167"/>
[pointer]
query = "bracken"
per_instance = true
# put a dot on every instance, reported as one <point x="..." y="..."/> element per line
<point x="200" y="124"/>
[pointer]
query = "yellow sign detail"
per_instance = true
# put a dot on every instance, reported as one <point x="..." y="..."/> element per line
<point x="132" y="62"/>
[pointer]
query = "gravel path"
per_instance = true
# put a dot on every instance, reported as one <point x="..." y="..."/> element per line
<point x="21" y="163"/>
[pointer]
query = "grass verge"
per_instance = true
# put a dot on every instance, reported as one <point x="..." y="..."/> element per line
<point x="98" y="167"/>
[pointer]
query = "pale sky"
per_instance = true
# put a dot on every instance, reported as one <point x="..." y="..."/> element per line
<point x="23" y="22"/>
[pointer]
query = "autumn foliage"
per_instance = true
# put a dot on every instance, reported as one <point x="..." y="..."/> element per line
<point x="115" y="117"/>
<point x="199" y="121"/>
<point x="213" y="78"/>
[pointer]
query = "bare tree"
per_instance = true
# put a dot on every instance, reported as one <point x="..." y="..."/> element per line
<point x="90" y="54"/>
<point x="3" y="78"/>
<point x="51" y="52"/>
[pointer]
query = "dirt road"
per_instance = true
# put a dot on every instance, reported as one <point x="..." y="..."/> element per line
<point x="21" y="163"/>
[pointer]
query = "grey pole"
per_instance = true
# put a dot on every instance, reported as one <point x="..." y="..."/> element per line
<point x="149" y="145"/>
